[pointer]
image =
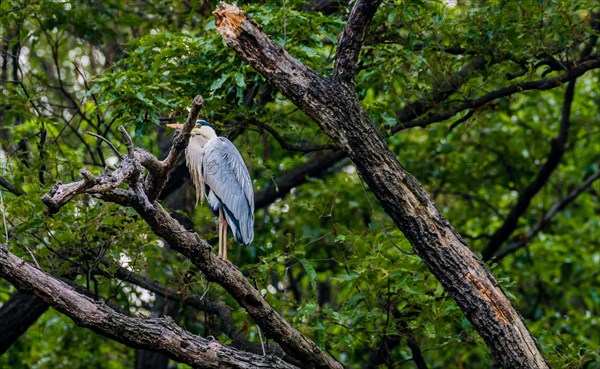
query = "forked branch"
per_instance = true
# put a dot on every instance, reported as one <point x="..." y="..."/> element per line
<point x="547" y="219"/>
<point x="352" y="39"/>
<point x="141" y="196"/>
<point x="157" y="334"/>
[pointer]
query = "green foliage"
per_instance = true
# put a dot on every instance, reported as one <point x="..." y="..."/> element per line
<point x="325" y="256"/>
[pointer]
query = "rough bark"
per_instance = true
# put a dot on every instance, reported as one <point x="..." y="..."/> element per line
<point x="187" y="243"/>
<point x="157" y="334"/>
<point x="335" y="107"/>
<point x="150" y="359"/>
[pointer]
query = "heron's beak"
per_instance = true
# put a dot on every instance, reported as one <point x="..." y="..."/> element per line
<point x="176" y="126"/>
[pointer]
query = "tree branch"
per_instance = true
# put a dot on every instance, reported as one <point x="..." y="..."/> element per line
<point x="336" y="109"/>
<point x="447" y="86"/>
<point x="190" y="245"/>
<point x="472" y="104"/>
<point x="227" y="325"/>
<point x="287" y="146"/>
<point x="554" y="157"/>
<point x="547" y="219"/>
<point x="352" y="39"/>
<point x="159" y="173"/>
<point x="314" y="167"/>
<point x="157" y="334"/>
<point x="17" y="315"/>
<point x="10" y="187"/>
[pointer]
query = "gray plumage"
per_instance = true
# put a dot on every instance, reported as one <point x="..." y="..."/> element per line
<point x="228" y="183"/>
<point x="219" y="173"/>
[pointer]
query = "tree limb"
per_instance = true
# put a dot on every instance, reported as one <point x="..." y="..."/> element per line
<point x="547" y="219"/>
<point x="10" y="187"/>
<point x="472" y="104"/>
<point x="314" y="167"/>
<point x="157" y="334"/>
<point x="190" y="245"/>
<point x="17" y="315"/>
<point x="227" y="325"/>
<point x="554" y="157"/>
<point x="336" y="109"/>
<point x="352" y="39"/>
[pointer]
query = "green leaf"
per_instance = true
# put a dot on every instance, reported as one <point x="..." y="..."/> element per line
<point x="310" y="272"/>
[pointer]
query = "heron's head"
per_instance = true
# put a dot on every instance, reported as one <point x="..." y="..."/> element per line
<point x="201" y="129"/>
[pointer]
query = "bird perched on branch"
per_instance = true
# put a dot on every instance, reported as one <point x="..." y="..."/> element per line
<point x="220" y="174"/>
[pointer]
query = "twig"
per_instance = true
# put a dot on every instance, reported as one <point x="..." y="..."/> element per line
<point x="119" y="155"/>
<point x="32" y="256"/>
<point x="4" y="219"/>
<point x="461" y="120"/>
<point x="127" y="141"/>
<point x="545" y="221"/>
<point x="288" y="146"/>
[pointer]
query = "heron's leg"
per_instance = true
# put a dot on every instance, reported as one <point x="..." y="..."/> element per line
<point x="220" y="254"/>
<point x="225" y="239"/>
<point x="223" y="234"/>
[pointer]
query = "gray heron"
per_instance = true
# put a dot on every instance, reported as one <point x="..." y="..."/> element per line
<point x="220" y="174"/>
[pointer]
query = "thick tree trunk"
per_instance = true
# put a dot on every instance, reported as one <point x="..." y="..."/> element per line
<point x="333" y="104"/>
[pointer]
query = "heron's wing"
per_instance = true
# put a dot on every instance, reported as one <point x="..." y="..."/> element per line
<point x="228" y="179"/>
<point x="194" y="155"/>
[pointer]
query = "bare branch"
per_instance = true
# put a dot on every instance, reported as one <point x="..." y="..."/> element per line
<point x="472" y="104"/>
<point x="315" y="167"/>
<point x="127" y="140"/>
<point x="159" y="172"/>
<point x="352" y="39"/>
<point x="554" y="157"/>
<point x="157" y="334"/>
<point x="62" y="194"/>
<point x="10" y="187"/>
<point x="181" y="141"/>
<point x="114" y="149"/>
<point x="227" y="325"/>
<point x="547" y="219"/>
